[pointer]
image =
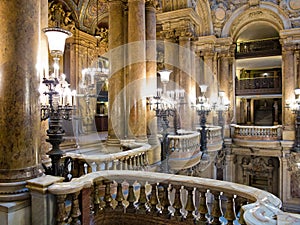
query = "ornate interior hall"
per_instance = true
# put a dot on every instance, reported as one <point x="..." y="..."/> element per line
<point x="149" y="111"/>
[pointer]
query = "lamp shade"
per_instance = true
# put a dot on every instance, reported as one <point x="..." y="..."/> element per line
<point x="297" y="91"/>
<point x="164" y="75"/>
<point x="203" y="88"/>
<point x="56" y="39"/>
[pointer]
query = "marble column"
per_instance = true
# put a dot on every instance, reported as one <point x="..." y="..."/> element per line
<point x="116" y="93"/>
<point x="20" y="35"/>
<point x="288" y="91"/>
<point x="151" y="68"/>
<point x="171" y="49"/>
<point x="185" y="80"/>
<point x="136" y="78"/>
<point x="209" y="80"/>
<point x="226" y="84"/>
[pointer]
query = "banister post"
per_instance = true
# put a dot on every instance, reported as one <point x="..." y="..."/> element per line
<point x="42" y="203"/>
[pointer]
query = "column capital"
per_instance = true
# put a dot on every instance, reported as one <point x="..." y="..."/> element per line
<point x="151" y="4"/>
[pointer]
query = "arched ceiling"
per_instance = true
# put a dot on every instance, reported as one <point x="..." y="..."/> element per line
<point x="258" y="31"/>
<point x="84" y="13"/>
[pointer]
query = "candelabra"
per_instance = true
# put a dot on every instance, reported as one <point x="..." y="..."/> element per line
<point x="164" y="104"/>
<point x="57" y="100"/>
<point x="203" y="108"/>
<point x="294" y="106"/>
<point x="221" y="106"/>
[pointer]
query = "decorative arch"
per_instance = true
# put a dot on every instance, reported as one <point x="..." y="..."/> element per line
<point x="244" y="16"/>
<point x="203" y="10"/>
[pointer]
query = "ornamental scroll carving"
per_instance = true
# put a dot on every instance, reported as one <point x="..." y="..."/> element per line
<point x="59" y="17"/>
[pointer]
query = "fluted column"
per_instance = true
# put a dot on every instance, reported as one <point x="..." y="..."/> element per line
<point x="151" y="67"/>
<point x="185" y="80"/>
<point x="136" y="78"/>
<point x="20" y="35"/>
<point x="116" y="93"/>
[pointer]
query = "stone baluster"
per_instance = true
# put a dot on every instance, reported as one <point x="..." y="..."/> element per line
<point x="125" y="164"/>
<point x="120" y="164"/>
<point x="138" y="164"/>
<point x="119" y="198"/>
<point x="129" y="163"/>
<point x="131" y="198"/>
<point x="106" y="165"/>
<point x="81" y="168"/>
<point x="177" y="205"/>
<point x="142" y="209"/>
<point x="134" y="167"/>
<point x="99" y="166"/>
<point x="114" y="164"/>
<point x="216" y="212"/>
<point x="165" y="202"/>
<point x="153" y="201"/>
<point x="239" y="202"/>
<point x="141" y="157"/>
<point x="107" y="196"/>
<point x="229" y="214"/>
<point x="190" y="207"/>
<point x="61" y="215"/>
<point x="96" y="198"/>
<point x="202" y="209"/>
<point x="75" y="211"/>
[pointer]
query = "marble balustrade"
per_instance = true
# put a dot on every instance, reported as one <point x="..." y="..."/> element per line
<point x="135" y="197"/>
<point x="133" y="159"/>
<point x="257" y="132"/>
<point x="184" y="150"/>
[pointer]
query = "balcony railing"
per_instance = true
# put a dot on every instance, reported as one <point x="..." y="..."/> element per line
<point x="184" y="150"/>
<point x="139" y="197"/>
<point x="137" y="158"/>
<point x="259" y="85"/>
<point x="267" y="133"/>
<point x="258" y="48"/>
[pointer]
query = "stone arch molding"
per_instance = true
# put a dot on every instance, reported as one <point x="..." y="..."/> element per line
<point x="244" y="16"/>
<point x="203" y="10"/>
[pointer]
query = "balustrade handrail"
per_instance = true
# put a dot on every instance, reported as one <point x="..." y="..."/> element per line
<point x="260" y="199"/>
<point x="112" y="156"/>
<point x="185" y="135"/>
<point x="257" y="132"/>
<point x="254" y="126"/>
